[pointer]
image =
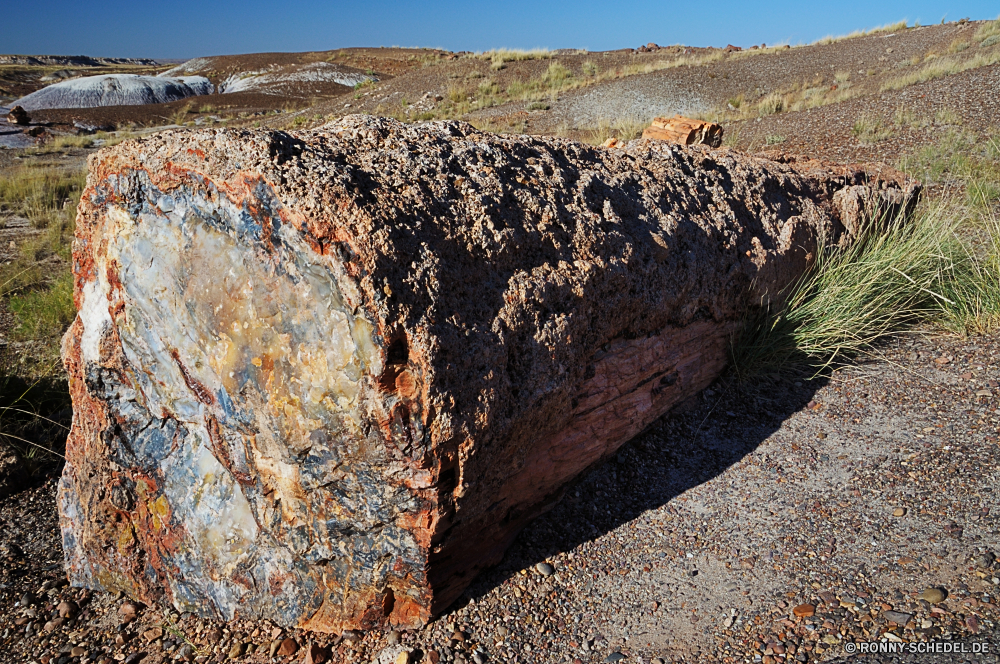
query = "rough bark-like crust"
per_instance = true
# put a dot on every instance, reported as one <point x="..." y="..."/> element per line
<point x="324" y="378"/>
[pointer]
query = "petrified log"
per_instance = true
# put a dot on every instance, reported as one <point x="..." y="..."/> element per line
<point x="18" y="116"/>
<point x="684" y="131"/>
<point x="324" y="378"/>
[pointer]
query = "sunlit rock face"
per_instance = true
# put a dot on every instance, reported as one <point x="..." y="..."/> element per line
<point x="325" y="378"/>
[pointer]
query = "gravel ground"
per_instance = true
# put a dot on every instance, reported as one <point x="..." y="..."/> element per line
<point x="826" y="132"/>
<point x="773" y="524"/>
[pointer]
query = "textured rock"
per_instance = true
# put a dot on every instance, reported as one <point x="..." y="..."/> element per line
<point x="18" y="116"/>
<point x="324" y="378"/>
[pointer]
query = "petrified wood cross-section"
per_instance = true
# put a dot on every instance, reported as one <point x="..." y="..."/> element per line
<point x="324" y="378"/>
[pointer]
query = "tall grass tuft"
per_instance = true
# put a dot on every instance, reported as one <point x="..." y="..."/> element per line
<point x="882" y="284"/>
<point x="941" y="268"/>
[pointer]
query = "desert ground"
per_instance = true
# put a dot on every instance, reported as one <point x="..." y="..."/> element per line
<point x="784" y="516"/>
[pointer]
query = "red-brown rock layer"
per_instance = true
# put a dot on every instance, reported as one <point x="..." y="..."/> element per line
<point x="325" y="377"/>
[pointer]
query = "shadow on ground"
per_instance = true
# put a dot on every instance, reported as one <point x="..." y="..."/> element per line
<point x="678" y="452"/>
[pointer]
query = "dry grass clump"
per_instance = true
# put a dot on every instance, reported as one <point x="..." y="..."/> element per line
<point x="898" y="26"/>
<point x="941" y="268"/>
<point x="870" y="129"/>
<point x="499" y="57"/>
<point x="37" y="284"/>
<point x="988" y="33"/>
<point x="940" y="67"/>
<point x="623" y="128"/>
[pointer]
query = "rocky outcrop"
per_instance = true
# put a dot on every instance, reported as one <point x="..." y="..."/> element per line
<point x="115" y="90"/>
<point x="324" y="378"/>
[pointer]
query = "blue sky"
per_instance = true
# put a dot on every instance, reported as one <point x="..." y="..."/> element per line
<point x="138" y="28"/>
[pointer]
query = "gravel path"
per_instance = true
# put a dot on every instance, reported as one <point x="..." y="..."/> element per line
<point x="772" y="525"/>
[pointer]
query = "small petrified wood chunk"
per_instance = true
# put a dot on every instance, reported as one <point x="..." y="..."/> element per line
<point x="324" y="378"/>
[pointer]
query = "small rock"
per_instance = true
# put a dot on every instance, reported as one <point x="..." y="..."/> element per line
<point x="478" y="657"/>
<point x="214" y="635"/>
<point x="351" y="636"/>
<point x="18" y="116"/>
<point x="985" y="560"/>
<point x="804" y="610"/>
<point x="614" y="657"/>
<point x="899" y="511"/>
<point x="236" y="651"/>
<point x="152" y="634"/>
<point x="458" y="636"/>
<point x="127" y="612"/>
<point x="393" y="638"/>
<point x="933" y="595"/>
<point x="78" y="651"/>
<point x="315" y="654"/>
<point x="287" y="647"/>
<point x="897" y="617"/>
<point x="275" y="644"/>
<point x="27" y="599"/>
<point x="134" y="658"/>
<point x="185" y="653"/>
<point x="545" y="569"/>
<point x="67" y="609"/>
<point x="403" y="657"/>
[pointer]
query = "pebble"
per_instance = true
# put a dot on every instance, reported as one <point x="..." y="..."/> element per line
<point x="153" y="634"/>
<point x="214" y="635"/>
<point x="478" y="657"/>
<point x="288" y="647"/>
<point x="804" y="610"/>
<point x="78" y="651"/>
<point x="985" y="560"/>
<point x="545" y="569"/>
<point x="67" y="609"/>
<point x="614" y="657"/>
<point x="315" y="654"/>
<point x="393" y="638"/>
<point x="897" y="617"/>
<point x="127" y="612"/>
<point x="899" y="511"/>
<point x="403" y="657"/>
<point x="236" y="650"/>
<point x="933" y="595"/>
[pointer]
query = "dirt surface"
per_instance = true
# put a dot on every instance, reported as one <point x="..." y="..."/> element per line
<point x="852" y="494"/>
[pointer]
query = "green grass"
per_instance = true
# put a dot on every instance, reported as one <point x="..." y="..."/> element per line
<point x="37" y="284"/>
<point x="939" y="269"/>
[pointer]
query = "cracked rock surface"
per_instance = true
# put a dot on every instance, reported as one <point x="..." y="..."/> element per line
<point x="325" y="378"/>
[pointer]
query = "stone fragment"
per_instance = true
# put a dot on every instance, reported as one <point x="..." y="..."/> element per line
<point x="897" y="617"/>
<point x="933" y="595"/>
<point x="78" y="651"/>
<point x="325" y="378"/>
<point x="18" y="116"/>
<point x="403" y="657"/>
<point x="287" y="648"/>
<point x="236" y="650"/>
<point x="985" y="560"/>
<point x="315" y="654"/>
<point x="545" y="569"/>
<point x="152" y="634"/>
<point x="127" y="612"/>
<point x="804" y="610"/>
<point x="67" y="609"/>
<point x="899" y="511"/>
<point x="214" y="635"/>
